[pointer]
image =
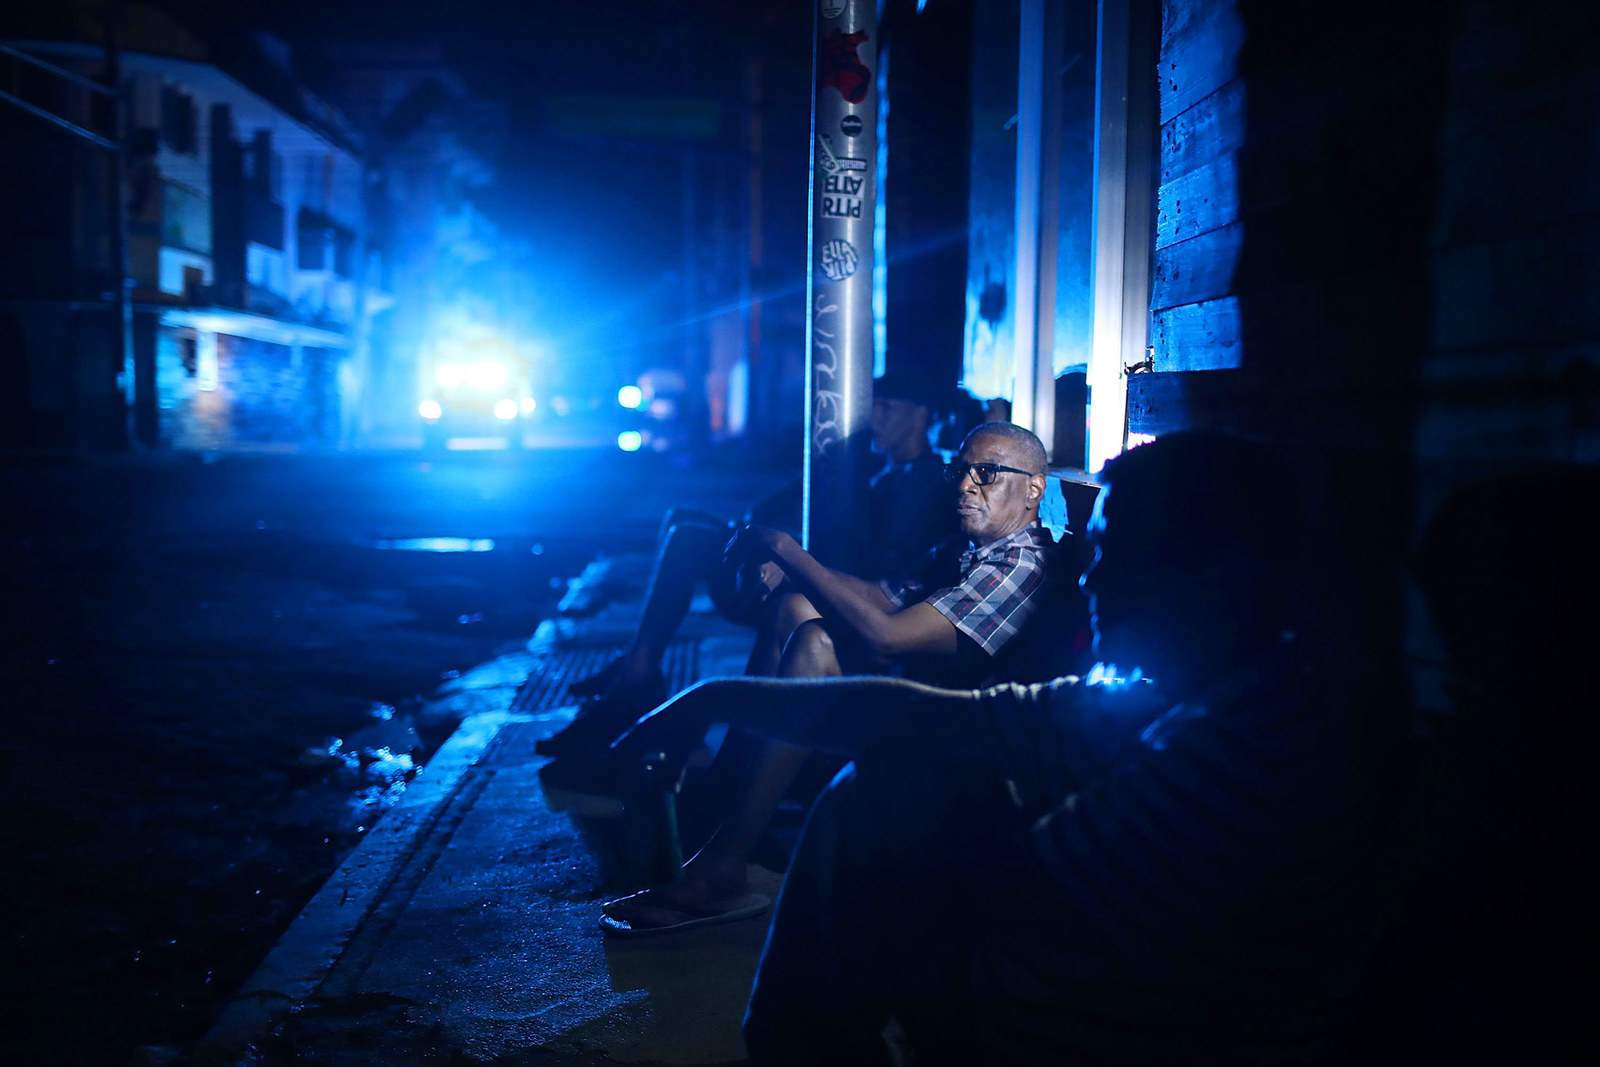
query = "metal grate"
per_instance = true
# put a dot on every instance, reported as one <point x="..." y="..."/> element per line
<point x="546" y="686"/>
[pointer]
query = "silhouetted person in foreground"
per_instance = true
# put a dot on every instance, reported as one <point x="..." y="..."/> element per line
<point x="833" y="623"/>
<point x="1158" y="869"/>
<point x="1485" y="957"/>
<point x="908" y="515"/>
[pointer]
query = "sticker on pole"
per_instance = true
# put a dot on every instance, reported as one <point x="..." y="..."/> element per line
<point x="850" y="125"/>
<point x="842" y="68"/>
<point x="839" y="260"/>
<point x="842" y="194"/>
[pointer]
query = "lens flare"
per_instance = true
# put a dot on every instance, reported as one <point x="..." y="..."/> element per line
<point x="487" y="375"/>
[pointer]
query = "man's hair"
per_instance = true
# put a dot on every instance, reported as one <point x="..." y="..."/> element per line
<point x="1029" y="450"/>
<point x="1215" y="496"/>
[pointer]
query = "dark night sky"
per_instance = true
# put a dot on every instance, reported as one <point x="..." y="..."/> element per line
<point x="605" y="224"/>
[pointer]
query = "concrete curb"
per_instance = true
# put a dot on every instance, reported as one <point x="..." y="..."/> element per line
<point x="314" y="942"/>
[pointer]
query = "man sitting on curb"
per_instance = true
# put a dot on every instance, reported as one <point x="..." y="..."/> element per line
<point x="1164" y="871"/>
<point x="836" y="624"/>
<point x="908" y="515"/>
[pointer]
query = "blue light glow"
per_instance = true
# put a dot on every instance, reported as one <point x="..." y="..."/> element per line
<point x="631" y="396"/>
<point x="438" y="544"/>
<point x="1105" y="674"/>
<point x="630" y="440"/>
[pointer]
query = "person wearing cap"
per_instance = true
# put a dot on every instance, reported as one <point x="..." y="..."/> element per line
<point x="908" y="505"/>
<point x="908" y="515"/>
<point x="947" y="626"/>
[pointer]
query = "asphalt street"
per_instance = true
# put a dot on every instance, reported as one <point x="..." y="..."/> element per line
<point x="187" y="638"/>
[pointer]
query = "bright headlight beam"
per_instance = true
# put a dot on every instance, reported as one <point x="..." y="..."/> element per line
<point x="430" y="409"/>
<point x="448" y="375"/>
<point x="505" y="409"/>
<point x="487" y="375"/>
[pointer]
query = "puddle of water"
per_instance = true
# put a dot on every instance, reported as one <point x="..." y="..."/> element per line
<point x="438" y="544"/>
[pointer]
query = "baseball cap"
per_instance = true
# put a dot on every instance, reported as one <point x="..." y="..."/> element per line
<point x="898" y="383"/>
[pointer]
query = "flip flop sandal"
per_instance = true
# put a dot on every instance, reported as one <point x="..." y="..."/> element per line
<point x="734" y="909"/>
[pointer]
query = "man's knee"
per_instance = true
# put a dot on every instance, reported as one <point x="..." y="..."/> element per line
<point x="810" y="652"/>
<point x="787" y="611"/>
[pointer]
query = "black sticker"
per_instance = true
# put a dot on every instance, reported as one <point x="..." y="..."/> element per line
<point x="850" y="125"/>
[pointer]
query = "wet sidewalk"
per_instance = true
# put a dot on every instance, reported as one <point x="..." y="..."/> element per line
<point x="464" y="928"/>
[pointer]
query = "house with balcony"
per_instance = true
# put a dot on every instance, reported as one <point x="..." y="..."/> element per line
<point x="252" y="279"/>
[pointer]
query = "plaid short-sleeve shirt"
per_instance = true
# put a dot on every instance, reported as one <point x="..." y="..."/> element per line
<point x="1000" y="588"/>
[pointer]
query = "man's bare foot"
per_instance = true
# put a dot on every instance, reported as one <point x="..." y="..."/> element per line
<point x="681" y="906"/>
<point x="707" y="886"/>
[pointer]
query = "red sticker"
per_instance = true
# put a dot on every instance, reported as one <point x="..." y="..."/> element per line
<point x="841" y="67"/>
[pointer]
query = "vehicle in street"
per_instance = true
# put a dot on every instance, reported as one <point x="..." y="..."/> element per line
<point x="478" y="396"/>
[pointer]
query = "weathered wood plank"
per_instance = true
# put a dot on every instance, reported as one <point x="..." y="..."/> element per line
<point x="1200" y="43"/>
<point x="1201" y="268"/>
<point x="1204" y="199"/>
<point x="1157" y="404"/>
<point x="1163" y="402"/>
<point x="1212" y="127"/>
<point x="1543" y="288"/>
<point x="1526" y="368"/>
<point x="1204" y="336"/>
<point x="1519" y="429"/>
<point x="1527" y="173"/>
<point x="1507" y="58"/>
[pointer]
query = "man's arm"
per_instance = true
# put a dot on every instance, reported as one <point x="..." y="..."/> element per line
<point x="848" y="716"/>
<point x="858" y="604"/>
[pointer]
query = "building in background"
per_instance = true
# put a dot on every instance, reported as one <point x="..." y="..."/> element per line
<point x="253" y="279"/>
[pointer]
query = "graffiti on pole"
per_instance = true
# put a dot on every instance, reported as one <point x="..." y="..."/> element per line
<point x="839" y="259"/>
<point x="827" y="403"/>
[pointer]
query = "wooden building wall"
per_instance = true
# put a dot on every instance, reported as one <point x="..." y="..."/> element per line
<point x="1374" y="248"/>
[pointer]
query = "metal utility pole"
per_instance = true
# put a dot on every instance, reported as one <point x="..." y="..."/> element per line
<point x="844" y="128"/>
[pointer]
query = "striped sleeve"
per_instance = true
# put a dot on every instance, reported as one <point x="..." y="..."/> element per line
<point x="1205" y="894"/>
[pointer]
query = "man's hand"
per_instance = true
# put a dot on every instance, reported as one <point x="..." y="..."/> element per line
<point x="756" y="544"/>
<point x="884" y="630"/>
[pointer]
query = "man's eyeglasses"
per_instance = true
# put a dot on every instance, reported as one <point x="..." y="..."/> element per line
<point x="982" y="473"/>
